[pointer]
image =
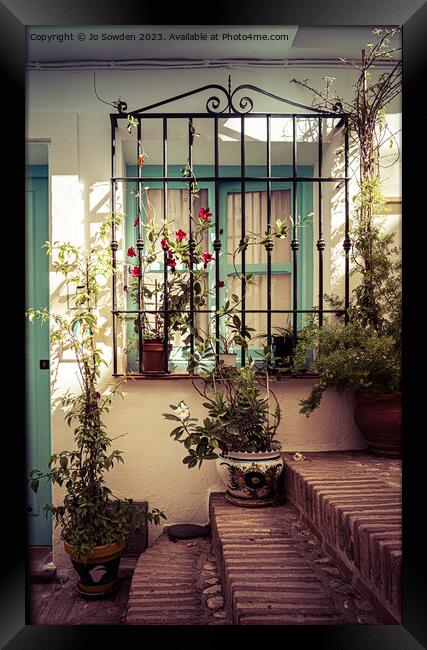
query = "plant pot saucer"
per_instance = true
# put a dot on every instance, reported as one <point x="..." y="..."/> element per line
<point x="98" y="596"/>
<point x="251" y="503"/>
<point x="187" y="531"/>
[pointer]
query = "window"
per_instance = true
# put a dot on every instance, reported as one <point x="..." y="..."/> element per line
<point x="230" y="227"/>
<point x="283" y="164"/>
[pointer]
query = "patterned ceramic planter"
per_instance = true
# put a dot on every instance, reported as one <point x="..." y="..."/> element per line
<point x="98" y="574"/>
<point x="251" y="478"/>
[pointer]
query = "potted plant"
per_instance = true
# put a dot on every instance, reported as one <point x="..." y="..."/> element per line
<point x="186" y="261"/>
<point x="374" y="313"/>
<point x="239" y="431"/>
<point x="93" y="522"/>
<point x="184" y="255"/>
<point x="234" y="334"/>
<point x="282" y="344"/>
<point x="351" y="358"/>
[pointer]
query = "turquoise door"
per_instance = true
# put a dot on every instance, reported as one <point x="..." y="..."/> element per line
<point x="37" y="364"/>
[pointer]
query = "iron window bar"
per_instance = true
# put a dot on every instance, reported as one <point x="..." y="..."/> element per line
<point x="213" y="311"/>
<point x="320" y="242"/>
<point x="269" y="243"/>
<point x="223" y="107"/>
<point x="207" y="179"/>
<point x="243" y="245"/>
<point x="165" y="267"/>
<point x="139" y="242"/>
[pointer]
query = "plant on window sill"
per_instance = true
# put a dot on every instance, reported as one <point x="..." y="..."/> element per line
<point x="186" y="261"/>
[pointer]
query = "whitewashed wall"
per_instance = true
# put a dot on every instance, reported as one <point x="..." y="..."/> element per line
<point x="63" y="110"/>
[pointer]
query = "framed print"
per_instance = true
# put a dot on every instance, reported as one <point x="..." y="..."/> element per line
<point x="222" y="224"/>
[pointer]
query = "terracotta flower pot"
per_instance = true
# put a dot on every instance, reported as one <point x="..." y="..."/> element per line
<point x="153" y="356"/>
<point x="379" y="418"/>
<point x="229" y="359"/>
<point x="251" y="478"/>
<point x="98" y="573"/>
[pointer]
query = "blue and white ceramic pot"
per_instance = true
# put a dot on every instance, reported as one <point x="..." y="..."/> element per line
<point x="251" y="478"/>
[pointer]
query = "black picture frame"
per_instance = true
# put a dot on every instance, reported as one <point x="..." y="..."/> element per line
<point x="14" y="16"/>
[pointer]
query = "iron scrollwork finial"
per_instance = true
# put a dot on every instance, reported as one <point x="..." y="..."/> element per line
<point x="121" y="106"/>
<point x="245" y="104"/>
<point x="228" y="100"/>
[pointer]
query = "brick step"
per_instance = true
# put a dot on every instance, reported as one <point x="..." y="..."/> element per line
<point x="353" y="503"/>
<point x="174" y="583"/>
<point x="276" y="582"/>
<point x="271" y="578"/>
<point x="281" y="619"/>
<point x="267" y="569"/>
<point x="168" y="600"/>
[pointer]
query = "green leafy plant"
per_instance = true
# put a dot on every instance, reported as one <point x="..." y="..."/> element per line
<point x="90" y="515"/>
<point x="348" y="357"/>
<point x="186" y="261"/>
<point x="243" y="414"/>
<point x="365" y="355"/>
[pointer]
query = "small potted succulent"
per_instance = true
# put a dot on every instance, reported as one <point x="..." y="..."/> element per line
<point x="243" y="416"/>
<point x="94" y="523"/>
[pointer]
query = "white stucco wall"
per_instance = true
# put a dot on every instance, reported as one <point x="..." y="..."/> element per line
<point x="63" y="110"/>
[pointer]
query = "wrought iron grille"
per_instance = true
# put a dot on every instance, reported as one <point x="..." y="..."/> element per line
<point x="226" y="103"/>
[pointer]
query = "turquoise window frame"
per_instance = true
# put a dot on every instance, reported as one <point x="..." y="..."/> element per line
<point x="305" y="234"/>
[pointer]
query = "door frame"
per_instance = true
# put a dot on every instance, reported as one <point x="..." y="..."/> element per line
<point x="38" y="406"/>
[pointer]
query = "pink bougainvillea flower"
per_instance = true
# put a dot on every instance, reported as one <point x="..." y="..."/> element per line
<point x="164" y="244"/>
<point x="131" y="252"/>
<point x="220" y="284"/>
<point x="171" y="262"/>
<point x="205" y="214"/>
<point x="180" y="235"/>
<point x="206" y="258"/>
<point x="136" y="222"/>
<point x="135" y="271"/>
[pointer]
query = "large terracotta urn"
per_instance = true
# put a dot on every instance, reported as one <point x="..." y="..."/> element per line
<point x="379" y="418"/>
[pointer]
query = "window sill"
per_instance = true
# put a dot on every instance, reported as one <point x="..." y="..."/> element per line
<point x="179" y="376"/>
